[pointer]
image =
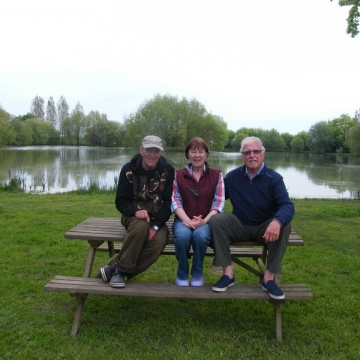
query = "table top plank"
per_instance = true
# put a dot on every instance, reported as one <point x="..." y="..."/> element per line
<point x="111" y="229"/>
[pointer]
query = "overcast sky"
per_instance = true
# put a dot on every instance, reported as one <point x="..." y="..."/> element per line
<point x="283" y="64"/>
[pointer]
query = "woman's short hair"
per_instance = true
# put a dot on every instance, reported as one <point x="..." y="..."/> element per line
<point x="196" y="143"/>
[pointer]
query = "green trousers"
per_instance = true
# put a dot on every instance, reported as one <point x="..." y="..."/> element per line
<point x="137" y="252"/>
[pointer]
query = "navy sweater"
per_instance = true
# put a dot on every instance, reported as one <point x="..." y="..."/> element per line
<point x="257" y="200"/>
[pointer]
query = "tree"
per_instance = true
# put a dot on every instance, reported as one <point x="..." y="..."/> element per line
<point x="321" y="137"/>
<point x="41" y="131"/>
<point x="96" y="124"/>
<point x="7" y="134"/>
<point x="353" y="139"/>
<point x="51" y="116"/>
<point x="37" y="108"/>
<point x="78" y="121"/>
<point x="287" y="137"/>
<point x="272" y="140"/>
<point x="62" y="113"/>
<point x="354" y="15"/>
<point x="23" y="132"/>
<point x="297" y="144"/>
<point x="340" y="127"/>
<point x="176" y="122"/>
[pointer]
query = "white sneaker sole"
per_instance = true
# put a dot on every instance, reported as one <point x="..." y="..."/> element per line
<point x="222" y="289"/>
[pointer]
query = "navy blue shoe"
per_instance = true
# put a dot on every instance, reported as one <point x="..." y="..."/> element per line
<point x="107" y="272"/>
<point x="274" y="291"/>
<point x="223" y="283"/>
<point x="117" y="280"/>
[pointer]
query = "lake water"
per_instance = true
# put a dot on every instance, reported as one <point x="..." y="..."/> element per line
<point x="58" y="169"/>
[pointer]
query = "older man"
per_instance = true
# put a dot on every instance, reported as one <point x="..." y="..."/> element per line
<point x="143" y="198"/>
<point x="262" y="212"/>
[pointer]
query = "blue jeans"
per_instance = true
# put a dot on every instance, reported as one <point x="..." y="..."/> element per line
<point x="184" y="238"/>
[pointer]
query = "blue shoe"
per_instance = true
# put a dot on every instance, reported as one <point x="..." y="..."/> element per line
<point x="223" y="283"/>
<point x="197" y="281"/>
<point x="107" y="272"/>
<point x="180" y="282"/>
<point x="117" y="280"/>
<point x="274" y="291"/>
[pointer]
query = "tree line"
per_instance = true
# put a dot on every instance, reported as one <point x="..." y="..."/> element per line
<point x="174" y="120"/>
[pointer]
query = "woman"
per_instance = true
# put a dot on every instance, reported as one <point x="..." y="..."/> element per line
<point x="198" y="193"/>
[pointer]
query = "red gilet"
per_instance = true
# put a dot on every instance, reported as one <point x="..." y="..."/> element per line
<point x="197" y="197"/>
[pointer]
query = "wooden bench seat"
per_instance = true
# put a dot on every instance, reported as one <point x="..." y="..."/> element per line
<point x="80" y="287"/>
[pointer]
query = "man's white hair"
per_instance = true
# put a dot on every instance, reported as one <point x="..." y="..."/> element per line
<point x="251" y="138"/>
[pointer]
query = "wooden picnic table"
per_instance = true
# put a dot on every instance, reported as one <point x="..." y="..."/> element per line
<point x="107" y="234"/>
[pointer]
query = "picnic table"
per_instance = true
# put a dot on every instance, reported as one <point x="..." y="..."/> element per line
<point x="107" y="234"/>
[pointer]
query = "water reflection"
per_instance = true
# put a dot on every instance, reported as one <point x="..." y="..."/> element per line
<point x="70" y="168"/>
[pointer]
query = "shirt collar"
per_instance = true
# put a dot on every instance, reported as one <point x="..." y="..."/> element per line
<point x="190" y="169"/>
<point x="247" y="173"/>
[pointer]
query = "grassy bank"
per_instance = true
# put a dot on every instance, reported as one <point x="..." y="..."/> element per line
<point x="35" y="324"/>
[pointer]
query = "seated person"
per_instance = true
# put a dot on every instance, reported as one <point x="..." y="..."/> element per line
<point x="262" y="212"/>
<point x="143" y="198"/>
<point x="198" y="194"/>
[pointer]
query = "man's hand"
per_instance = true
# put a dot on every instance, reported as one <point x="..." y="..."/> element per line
<point x="142" y="214"/>
<point x="152" y="233"/>
<point x="272" y="232"/>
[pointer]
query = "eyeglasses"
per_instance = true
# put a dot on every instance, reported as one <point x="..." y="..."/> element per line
<point x="248" y="152"/>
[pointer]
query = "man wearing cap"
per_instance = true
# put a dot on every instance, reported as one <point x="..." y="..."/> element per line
<point x="143" y="198"/>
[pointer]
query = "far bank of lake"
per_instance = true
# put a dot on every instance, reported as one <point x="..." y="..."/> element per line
<point x="67" y="168"/>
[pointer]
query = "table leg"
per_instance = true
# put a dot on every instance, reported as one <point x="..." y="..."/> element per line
<point x="82" y="297"/>
<point x="278" y="330"/>
<point x="89" y="261"/>
<point x="78" y="314"/>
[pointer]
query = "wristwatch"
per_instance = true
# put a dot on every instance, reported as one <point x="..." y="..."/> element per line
<point x="156" y="228"/>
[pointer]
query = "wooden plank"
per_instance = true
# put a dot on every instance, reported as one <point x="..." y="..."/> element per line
<point x="82" y="285"/>
<point x="170" y="250"/>
<point x="110" y="229"/>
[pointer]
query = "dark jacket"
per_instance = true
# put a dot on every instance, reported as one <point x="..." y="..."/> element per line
<point x="148" y="190"/>
<point x="262" y="198"/>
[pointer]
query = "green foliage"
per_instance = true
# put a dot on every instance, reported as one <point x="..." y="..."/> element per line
<point x="287" y="137"/>
<point x="353" y="139"/>
<point x="176" y="122"/>
<point x="321" y="137"/>
<point x="340" y="127"/>
<point x="23" y="132"/>
<point x="7" y="134"/>
<point x="354" y="15"/>
<point x="37" y="108"/>
<point x="272" y="140"/>
<point x="41" y="131"/>
<point x="297" y="144"/>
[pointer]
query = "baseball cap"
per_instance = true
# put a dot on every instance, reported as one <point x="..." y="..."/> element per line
<point x="152" y="141"/>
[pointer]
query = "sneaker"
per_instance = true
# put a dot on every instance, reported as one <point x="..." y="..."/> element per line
<point x="107" y="272"/>
<point x="117" y="280"/>
<point x="224" y="283"/>
<point x="180" y="282"/>
<point x="274" y="291"/>
<point x="197" y="281"/>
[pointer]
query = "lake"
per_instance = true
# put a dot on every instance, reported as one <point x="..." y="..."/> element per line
<point x="65" y="168"/>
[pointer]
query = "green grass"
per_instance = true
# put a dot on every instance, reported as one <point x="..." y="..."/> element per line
<point x="35" y="324"/>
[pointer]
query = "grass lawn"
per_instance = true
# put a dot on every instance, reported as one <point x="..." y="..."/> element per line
<point x="35" y="324"/>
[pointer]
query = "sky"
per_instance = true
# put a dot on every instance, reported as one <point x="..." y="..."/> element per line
<point x="269" y="64"/>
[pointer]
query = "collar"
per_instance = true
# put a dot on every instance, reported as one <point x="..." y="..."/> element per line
<point x="190" y="168"/>
<point x="247" y="173"/>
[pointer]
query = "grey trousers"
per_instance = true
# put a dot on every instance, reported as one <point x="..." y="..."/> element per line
<point x="137" y="252"/>
<point x="227" y="228"/>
